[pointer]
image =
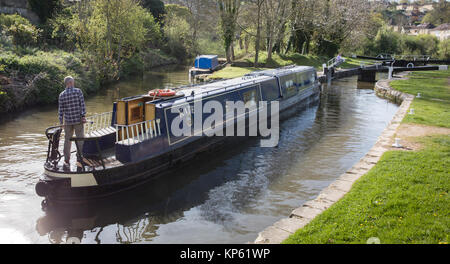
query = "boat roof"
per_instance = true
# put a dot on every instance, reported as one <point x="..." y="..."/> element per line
<point x="202" y="90"/>
<point x="207" y="89"/>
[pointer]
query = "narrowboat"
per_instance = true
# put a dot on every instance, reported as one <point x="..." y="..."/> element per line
<point x="136" y="142"/>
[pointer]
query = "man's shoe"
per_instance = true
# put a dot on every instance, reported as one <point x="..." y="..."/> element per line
<point x="66" y="166"/>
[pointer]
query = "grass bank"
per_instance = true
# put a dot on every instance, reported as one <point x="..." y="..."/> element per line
<point x="404" y="197"/>
<point x="279" y="61"/>
<point x="433" y="107"/>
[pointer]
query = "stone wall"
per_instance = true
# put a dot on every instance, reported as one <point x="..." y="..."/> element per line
<point x="20" y="7"/>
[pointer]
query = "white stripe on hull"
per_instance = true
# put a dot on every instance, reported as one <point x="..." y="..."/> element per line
<point x="76" y="180"/>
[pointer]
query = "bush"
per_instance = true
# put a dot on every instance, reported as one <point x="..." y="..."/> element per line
<point x="387" y="41"/>
<point x="444" y="49"/>
<point x="24" y="35"/>
<point x="47" y="71"/>
<point x="323" y="47"/>
<point x="58" y="30"/>
<point x="7" y="21"/>
<point x="176" y="30"/>
<point x="419" y="45"/>
<point x="22" y="32"/>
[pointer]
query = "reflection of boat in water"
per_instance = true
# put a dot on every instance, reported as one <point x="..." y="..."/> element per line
<point x="136" y="143"/>
<point x="136" y="213"/>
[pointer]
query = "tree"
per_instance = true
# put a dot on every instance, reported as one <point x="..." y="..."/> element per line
<point x="176" y="29"/>
<point x="439" y="15"/>
<point x="303" y="24"/>
<point x="45" y="8"/>
<point x="156" y="7"/>
<point x="276" y="14"/>
<point x="113" y="30"/>
<point x="229" y="10"/>
<point x="258" y="4"/>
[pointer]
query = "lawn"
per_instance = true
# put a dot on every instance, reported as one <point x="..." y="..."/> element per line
<point x="404" y="198"/>
<point x="232" y="72"/>
<point x="280" y="61"/>
<point x="433" y="108"/>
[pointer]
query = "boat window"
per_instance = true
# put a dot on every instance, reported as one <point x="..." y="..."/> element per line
<point x="289" y="86"/>
<point x="135" y="113"/>
<point x="306" y="79"/>
<point x="250" y="98"/>
<point x="312" y="77"/>
<point x="270" y="90"/>
<point x="300" y="80"/>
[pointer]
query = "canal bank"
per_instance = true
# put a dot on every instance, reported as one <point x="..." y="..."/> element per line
<point x="353" y="218"/>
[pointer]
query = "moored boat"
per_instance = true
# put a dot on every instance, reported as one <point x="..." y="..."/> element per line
<point x="137" y="141"/>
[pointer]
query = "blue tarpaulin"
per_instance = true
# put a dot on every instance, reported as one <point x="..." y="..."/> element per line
<point x="206" y="62"/>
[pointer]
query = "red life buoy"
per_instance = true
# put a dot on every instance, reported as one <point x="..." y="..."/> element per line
<point x="162" y="92"/>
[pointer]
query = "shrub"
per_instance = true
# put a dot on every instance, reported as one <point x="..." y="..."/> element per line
<point x="444" y="49"/>
<point x="176" y="30"/>
<point x="58" y="30"/>
<point x="324" y="47"/>
<point x="419" y="45"/>
<point x="22" y="32"/>
<point x="47" y="71"/>
<point x="387" y="41"/>
<point x="23" y="35"/>
<point x="7" y="21"/>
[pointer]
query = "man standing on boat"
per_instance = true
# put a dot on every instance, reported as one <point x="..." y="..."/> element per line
<point x="72" y="111"/>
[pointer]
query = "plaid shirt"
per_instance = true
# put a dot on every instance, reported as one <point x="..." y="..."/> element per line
<point x="71" y="106"/>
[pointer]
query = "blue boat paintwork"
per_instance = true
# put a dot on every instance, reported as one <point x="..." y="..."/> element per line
<point x="302" y="84"/>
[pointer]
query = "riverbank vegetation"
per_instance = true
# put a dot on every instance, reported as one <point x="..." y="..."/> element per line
<point x="95" y="41"/>
<point x="404" y="198"/>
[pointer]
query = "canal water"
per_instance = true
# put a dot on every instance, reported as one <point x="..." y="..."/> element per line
<point x="227" y="197"/>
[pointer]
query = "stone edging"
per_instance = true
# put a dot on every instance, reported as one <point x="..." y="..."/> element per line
<point x="301" y="216"/>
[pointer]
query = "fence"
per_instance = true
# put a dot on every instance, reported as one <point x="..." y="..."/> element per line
<point x="98" y="122"/>
<point x="136" y="133"/>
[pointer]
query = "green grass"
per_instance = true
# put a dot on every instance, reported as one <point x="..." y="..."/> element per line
<point x="280" y="61"/>
<point x="404" y="198"/>
<point x="354" y="62"/>
<point x="433" y="108"/>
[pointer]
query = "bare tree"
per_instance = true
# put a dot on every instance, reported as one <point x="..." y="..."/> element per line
<point x="229" y="11"/>
<point x="259" y="4"/>
<point x="276" y="13"/>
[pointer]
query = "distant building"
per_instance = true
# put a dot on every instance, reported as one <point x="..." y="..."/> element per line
<point x="426" y="8"/>
<point x="442" y="32"/>
<point x="410" y="7"/>
<point x="422" y="29"/>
